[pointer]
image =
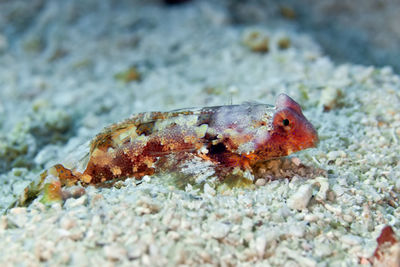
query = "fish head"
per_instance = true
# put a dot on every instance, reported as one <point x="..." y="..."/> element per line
<point x="291" y="131"/>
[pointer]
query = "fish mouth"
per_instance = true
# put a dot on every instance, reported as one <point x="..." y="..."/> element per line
<point x="313" y="137"/>
<point x="309" y="143"/>
<point x="309" y="140"/>
<point x="314" y="140"/>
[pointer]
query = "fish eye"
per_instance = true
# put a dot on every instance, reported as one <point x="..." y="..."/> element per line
<point x="285" y="122"/>
<point x="285" y="119"/>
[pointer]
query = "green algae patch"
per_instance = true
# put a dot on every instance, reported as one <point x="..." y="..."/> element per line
<point x="30" y="193"/>
<point x="129" y="75"/>
<point x="235" y="181"/>
<point x="52" y="193"/>
<point x="284" y="43"/>
<point x="256" y="41"/>
<point x="45" y="125"/>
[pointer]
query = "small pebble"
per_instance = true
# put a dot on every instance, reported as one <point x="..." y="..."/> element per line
<point x="297" y="230"/>
<point x="323" y="250"/>
<point x="300" y="199"/>
<point x="331" y="98"/>
<point x="261" y="243"/>
<point x="67" y="222"/>
<point x="351" y="240"/>
<point x="44" y="249"/>
<point x="336" y="154"/>
<point x="261" y="182"/>
<point x="18" y="211"/>
<point x="334" y="209"/>
<point x="284" y="211"/>
<point x="323" y="188"/>
<point x="146" y="179"/>
<point x="209" y="190"/>
<point x="173" y="235"/>
<point x="219" y="230"/>
<point x="18" y="216"/>
<point x="146" y="205"/>
<point x="136" y="250"/>
<point x="3" y="222"/>
<point x="296" y="161"/>
<point x="311" y="217"/>
<point x="115" y="253"/>
<point x="72" y="202"/>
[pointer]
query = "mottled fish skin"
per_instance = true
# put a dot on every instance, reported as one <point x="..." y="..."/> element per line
<point x="225" y="137"/>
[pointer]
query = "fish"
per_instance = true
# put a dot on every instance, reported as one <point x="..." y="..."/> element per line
<point x="202" y="143"/>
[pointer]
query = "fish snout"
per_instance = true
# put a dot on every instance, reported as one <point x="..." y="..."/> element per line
<point x="309" y="138"/>
<point x="313" y="136"/>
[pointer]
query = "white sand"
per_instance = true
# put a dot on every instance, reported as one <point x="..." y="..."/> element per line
<point x="57" y="90"/>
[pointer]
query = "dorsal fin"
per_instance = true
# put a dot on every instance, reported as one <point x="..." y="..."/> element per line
<point x="284" y="101"/>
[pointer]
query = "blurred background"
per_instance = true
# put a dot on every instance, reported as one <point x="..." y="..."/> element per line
<point x="360" y="31"/>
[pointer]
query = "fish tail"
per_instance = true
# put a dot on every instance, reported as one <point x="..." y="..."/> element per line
<point x="51" y="188"/>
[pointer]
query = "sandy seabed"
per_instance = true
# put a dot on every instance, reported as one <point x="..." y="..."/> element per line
<point x="64" y="77"/>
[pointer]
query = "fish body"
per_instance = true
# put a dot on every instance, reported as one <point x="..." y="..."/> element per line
<point x="220" y="144"/>
<point x="223" y="138"/>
